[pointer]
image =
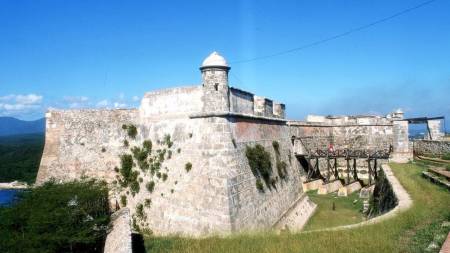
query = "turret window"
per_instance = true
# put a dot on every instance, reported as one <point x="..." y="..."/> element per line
<point x="216" y="86"/>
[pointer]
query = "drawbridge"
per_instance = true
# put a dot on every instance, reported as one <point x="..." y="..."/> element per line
<point x="319" y="159"/>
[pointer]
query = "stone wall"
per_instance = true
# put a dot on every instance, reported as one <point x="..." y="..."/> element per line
<point x="119" y="238"/>
<point x="83" y="143"/>
<point x="250" y="208"/>
<point x="428" y="147"/>
<point x="241" y="101"/>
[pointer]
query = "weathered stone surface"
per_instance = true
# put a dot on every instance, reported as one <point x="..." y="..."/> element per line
<point x="349" y="189"/>
<point x="119" y="238"/>
<point x="297" y="216"/>
<point x="429" y="147"/>
<point x="330" y="187"/>
<point x="312" y="185"/>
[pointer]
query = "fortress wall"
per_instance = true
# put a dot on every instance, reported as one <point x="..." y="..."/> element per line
<point x="74" y="140"/>
<point x="241" y="101"/>
<point x="434" y="148"/>
<point x="198" y="204"/>
<point x="250" y="208"/>
<point x="172" y="102"/>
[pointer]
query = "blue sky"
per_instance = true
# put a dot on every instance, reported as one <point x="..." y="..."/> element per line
<point x="79" y="54"/>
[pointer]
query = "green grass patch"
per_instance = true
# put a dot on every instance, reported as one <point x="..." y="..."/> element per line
<point x="411" y="231"/>
<point x="345" y="211"/>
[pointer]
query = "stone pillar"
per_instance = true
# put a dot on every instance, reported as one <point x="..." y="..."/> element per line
<point x="401" y="152"/>
<point x="434" y="127"/>
<point x="278" y="110"/>
<point x="259" y="105"/>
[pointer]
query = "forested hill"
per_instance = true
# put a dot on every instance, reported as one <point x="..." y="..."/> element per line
<point x="20" y="156"/>
<point x="12" y="126"/>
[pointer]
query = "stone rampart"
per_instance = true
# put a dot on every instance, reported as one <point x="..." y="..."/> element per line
<point x="83" y="143"/>
<point x="429" y="147"/>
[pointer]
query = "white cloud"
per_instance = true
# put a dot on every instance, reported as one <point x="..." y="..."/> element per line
<point x="103" y="103"/>
<point x="135" y="98"/>
<point x="76" y="101"/>
<point x="19" y="104"/>
<point x="119" y="105"/>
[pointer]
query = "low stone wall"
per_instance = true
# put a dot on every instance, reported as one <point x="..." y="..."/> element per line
<point x="429" y="147"/>
<point x="119" y="238"/>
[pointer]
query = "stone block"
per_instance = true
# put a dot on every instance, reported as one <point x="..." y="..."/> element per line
<point x="312" y="185"/>
<point x="330" y="187"/>
<point x="348" y="189"/>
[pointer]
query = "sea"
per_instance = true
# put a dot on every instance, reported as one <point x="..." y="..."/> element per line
<point x="7" y="196"/>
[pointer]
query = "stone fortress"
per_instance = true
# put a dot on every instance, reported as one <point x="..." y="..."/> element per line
<point x="200" y="179"/>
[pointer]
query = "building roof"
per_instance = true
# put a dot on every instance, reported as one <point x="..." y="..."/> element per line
<point x="214" y="59"/>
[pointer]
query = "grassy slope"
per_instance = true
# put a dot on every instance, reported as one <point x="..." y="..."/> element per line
<point x="345" y="211"/>
<point x="20" y="156"/>
<point x="411" y="231"/>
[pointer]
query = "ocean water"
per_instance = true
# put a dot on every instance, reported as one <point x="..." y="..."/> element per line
<point x="7" y="196"/>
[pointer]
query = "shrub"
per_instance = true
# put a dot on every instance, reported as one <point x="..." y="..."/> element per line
<point x="147" y="202"/>
<point x="168" y="141"/>
<point x="281" y="168"/>
<point x="150" y="186"/>
<point x="134" y="187"/>
<point x="126" y="143"/>
<point x="103" y="149"/>
<point x="132" y="131"/>
<point x="179" y="150"/>
<point x="259" y="185"/>
<point x="126" y="165"/>
<point x="147" y="144"/>
<point x="276" y="147"/>
<point x="446" y="156"/>
<point x="259" y="162"/>
<point x="383" y="198"/>
<point x="123" y="200"/>
<point x="158" y="174"/>
<point x="188" y="166"/>
<point x="447" y="168"/>
<point x="124" y="127"/>
<point x="169" y="154"/>
<point x="164" y="176"/>
<point x="140" y="211"/>
<point x="171" y="191"/>
<point x="140" y="154"/>
<point x="69" y="217"/>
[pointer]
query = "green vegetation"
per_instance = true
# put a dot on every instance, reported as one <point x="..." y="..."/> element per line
<point x="69" y="217"/>
<point x="188" y="166"/>
<point x="446" y="156"/>
<point x="260" y="162"/>
<point x="168" y="141"/>
<point x="20" y="156"/>
<point x="131" y="130"/>
<point x="345" y="210"/>
<point x="150" y="186"/>
<point x="383" y="198"/>
<point x="411" y="231"/>
<point x="123" y="200"/>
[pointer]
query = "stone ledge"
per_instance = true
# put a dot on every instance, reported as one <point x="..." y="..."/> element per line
<point x="237" y="115"/>
<point x="119" y="238"/>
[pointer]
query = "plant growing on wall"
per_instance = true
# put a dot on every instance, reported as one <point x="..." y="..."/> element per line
<point x="150" y="186"/>
<point x="260" y="162"/>
<point x="281" y="165"/>
<point x="131" y="130"/>
<point x="188" y="166"/>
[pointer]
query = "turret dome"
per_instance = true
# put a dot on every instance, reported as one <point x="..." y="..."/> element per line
<point x="214" y="60"/>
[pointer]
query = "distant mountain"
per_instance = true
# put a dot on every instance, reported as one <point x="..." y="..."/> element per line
<point x="12" y="126"/>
